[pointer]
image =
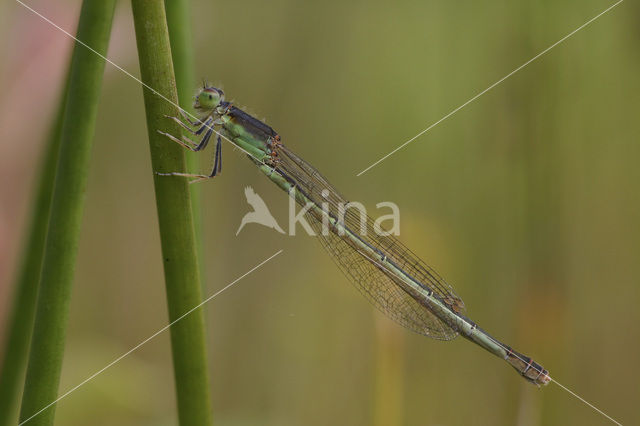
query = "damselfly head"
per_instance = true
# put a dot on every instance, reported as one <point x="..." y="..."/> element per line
<point x="208" y="98"/>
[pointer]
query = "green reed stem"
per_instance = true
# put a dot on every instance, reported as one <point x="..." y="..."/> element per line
<point x="67" y="202"/>
<point x="179" y="23"/>
<point x="174" y="216"/>
<point x="20" y="322"/>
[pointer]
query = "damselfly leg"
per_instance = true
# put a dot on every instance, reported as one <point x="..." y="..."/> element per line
<point x="186" y="142"/>
<point x="201" y="125"/>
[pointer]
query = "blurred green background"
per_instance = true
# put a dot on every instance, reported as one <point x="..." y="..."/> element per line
<point x="527" y="201"/>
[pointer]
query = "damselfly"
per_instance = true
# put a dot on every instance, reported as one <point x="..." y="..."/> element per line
<point x="387" y="273"/>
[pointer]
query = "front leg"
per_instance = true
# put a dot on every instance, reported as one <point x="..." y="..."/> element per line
<point x="217" y="162"/>
<point x="188" y="118"/>
<point x="217" y="166"/>
<point x="205" y="140"/>
<point x="185" y="142"/>
<point x="207" y="123"/>
<point x="189" y="143"/>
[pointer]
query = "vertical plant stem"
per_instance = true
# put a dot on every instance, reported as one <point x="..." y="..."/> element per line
<point x="174" y="216"/>
<point x="58" y="264"/>
<point x="179" y="23"/>
<point x="20" y="323"/>
<point x="389" y="375"/>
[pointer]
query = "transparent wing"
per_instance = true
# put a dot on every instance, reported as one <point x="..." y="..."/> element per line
<point x="379" y="288"/>
<point x="376" y="283"/>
